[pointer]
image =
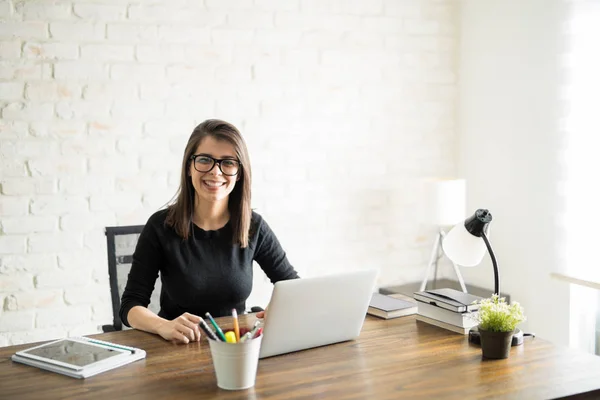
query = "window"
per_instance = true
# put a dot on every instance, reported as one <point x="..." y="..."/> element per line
<point x="582" y="158"/>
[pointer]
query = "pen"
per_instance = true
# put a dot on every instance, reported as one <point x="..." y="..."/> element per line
<point x="207" y="330"/>
<point x="236" y="325"/>
<point x="220" y="333"/>
<point x="250" y="334"/>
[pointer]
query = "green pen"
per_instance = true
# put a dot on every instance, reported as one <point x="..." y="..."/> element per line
<point x="217" y="328"/>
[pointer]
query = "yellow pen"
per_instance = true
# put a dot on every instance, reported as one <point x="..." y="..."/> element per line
<point x="236" y="325"/>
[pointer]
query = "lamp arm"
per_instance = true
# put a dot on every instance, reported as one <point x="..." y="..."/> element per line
<point x="494" y="263"/>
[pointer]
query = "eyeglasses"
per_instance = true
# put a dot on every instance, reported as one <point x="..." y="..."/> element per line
<point x="204" y="163"/>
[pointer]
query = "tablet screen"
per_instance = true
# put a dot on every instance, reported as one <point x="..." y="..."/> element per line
<point x="74" y="353"/>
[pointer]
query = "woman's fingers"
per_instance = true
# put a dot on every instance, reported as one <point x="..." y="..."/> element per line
<point x="179" y="337"/>
<point x="262" y="314"/>
<point x="194" y="318"/>
<point x="191" y="321"/>
<point x="183" y="329"/>
<point x="187" y="331"/>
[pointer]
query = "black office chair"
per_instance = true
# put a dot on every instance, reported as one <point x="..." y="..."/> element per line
<point x="120" y="243"/>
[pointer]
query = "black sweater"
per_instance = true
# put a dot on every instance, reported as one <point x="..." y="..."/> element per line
<point x="205" y="273"/>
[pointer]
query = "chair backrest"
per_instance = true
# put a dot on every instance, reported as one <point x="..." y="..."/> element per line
<point x="121" y="242"/>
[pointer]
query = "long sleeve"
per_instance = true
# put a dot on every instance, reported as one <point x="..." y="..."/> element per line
<point x="147" y="259"/>
<point x="270" y="255"/>
<point x="205" y="273"/>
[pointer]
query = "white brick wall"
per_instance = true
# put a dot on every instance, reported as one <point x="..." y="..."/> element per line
<point x="345" y="105"/>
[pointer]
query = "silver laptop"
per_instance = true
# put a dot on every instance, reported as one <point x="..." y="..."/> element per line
<point x="311" y="312"/>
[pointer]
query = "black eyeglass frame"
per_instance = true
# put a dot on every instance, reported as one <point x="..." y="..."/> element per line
<point x="215" y="161"/>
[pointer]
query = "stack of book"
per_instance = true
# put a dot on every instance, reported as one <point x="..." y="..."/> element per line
<point x="447" y="308"/>
<point x="393" y="306"/>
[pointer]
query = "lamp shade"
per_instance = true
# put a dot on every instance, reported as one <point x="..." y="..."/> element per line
<point x="464" y="244"/>
<point x="443" y="201"/>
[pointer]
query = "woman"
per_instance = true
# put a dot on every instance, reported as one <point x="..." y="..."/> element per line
<point x="204" y="243"/>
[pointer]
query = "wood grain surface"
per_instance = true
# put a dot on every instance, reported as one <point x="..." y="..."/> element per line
<point x="392" y="359"/>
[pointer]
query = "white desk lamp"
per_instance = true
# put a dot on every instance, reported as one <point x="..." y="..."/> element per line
<point x="465" y="245"/>
<point x="443" y="206"/>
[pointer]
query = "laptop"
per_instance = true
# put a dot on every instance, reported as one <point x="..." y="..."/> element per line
<point x="311" y="312"/>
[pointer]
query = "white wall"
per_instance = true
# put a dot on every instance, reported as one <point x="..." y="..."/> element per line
<point x="344" y="105"/>
<point x="510" y="146"/>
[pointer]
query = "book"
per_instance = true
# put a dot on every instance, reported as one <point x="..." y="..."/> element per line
<point x="435" y="322"/>
<point x="78" y="357"/>
<point x="449" y="298"/>
<point x="387" y="307"/>
<point x="463" y="320"/>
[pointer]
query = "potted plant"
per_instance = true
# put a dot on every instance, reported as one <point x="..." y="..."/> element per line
<point x="497" y="322"/>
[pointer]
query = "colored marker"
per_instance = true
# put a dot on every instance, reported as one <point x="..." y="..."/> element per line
<point x="258" y="333"/>
<point x="250" y="334"/>
<point x="207" y="330"/>
<point x="217" y="328"/>
<point x="245" y="337"/>
<point x="236" y="325"/>
<point x="230" y="336"/>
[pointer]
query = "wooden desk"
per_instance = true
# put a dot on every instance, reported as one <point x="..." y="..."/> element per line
<point x="399" y="358"/>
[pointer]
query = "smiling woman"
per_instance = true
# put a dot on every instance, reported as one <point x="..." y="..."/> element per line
<point x="204" y="243"/>
<point x="215" y="140"/>
<point x="213" y="178"/>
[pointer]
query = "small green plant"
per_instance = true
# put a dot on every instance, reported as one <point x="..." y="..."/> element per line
<point x="496" y="315"/>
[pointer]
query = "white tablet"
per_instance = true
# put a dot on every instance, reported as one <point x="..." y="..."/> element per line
<point x="78" y="355"/>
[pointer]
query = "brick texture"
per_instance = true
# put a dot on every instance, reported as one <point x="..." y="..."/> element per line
<point x="345" y="105"/>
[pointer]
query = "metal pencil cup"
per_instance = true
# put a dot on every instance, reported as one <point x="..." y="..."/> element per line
<point x="235" y="363"/>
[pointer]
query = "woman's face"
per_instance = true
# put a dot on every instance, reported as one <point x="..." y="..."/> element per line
<point x="214" y="185"/>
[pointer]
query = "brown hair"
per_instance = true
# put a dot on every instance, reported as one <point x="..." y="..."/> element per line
<point x="181" y="209"/>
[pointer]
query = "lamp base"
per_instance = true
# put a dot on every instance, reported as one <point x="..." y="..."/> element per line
<point x="475" y="337"/>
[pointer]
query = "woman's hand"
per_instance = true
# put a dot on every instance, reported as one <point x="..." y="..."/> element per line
<point x="183" y="329"/>
<point x="262" y="314"/>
